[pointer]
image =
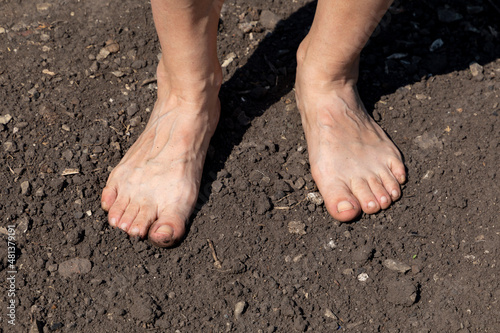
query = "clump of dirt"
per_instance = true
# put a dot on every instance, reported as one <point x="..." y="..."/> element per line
<point x="77" y="85"/>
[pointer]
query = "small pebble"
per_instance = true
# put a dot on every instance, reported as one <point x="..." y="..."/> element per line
<point x="132" y="109"/>
<point x="135" y="121"/>
<point x="239" y="308"/>
<point x="330" y="314"/>
<point x="476" y="69"/>
<point x="138" y="64"/>
<point x="229" y="59"/>
<point x="299" y="183"/>
<point x="315" y="198"/>
<point x="42" y="7"/>
<point x="363" y="254"/>
<point x="395" y="265"/>
<point x="52" y="268"/>
<point x="268" y="19"/>
<point x="297" y="227"/>
<point x="436" y="45"/>
<point x="363" y="277"/>
<point x="331" y="244"/>
<point x="112" y="46"/>
<point x="217" y="186"/>
<point x="4" y="120"/>
<point x="9" y="146"/>
<point x="25" y="188"/>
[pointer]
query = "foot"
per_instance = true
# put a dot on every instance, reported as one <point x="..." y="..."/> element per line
<point x="153" y="190"/>
<point x="354" y="164"/>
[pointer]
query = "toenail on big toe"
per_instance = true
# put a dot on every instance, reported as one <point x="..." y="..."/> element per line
<point x="165" y="230"/>
<point x="344" y="206"/>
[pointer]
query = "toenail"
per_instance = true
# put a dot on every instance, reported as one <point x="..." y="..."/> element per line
<point x="402" y="179"/>
<point x="166" y="230"/>
<point x="394" y="193"/>
<point x="123" y="226"/>
<point x="383" y="199"/>
<point x="344" y="206"/>
<point x="112" y="222"/>
<point x="134" y="231"/>
<point x="372" y="204"/>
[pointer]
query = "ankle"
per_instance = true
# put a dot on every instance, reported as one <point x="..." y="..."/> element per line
<point x="317" y="67"/>
<point x="193" y="86"/>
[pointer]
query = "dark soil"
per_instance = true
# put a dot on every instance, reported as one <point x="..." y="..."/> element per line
<point x="73" y="117"/>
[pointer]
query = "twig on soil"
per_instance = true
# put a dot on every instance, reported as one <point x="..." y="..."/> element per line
<point x="292" y="206"/>
<point x="70" y="171"/>
<point x="286" y="196"/>
<point x="11" y="170"/>
<point x="217" y="262"/>
<point x="114" y="129"/>
<point x="148" y="81"/>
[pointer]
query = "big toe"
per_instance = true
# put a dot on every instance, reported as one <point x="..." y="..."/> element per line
<point x="167" y="231"/>
<point x="341" y="204"/>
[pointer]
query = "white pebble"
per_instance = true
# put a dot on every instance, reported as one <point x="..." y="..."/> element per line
<point x="363" y="277"/>
<point x="315" y="198"/>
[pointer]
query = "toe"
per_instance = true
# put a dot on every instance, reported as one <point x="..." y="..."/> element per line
<point x="116" y="210"/>
<point x="340" y="202"/>
<point x="128" y="217"/>
<point x="362" y="191"/>
<point x="142" y="222"/>
<point x="167" y="231"/>
<point x="398" y="170"/>
<point x="391" y="185"/>
<point x="108" y="197"/>
<point x="378" y="189"/>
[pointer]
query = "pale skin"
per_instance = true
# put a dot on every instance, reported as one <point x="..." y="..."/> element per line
<point x="357" y="168"/>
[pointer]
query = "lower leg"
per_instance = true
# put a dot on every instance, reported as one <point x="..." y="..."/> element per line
<point x="154" y="188"/>
<point x="353" y="162"/>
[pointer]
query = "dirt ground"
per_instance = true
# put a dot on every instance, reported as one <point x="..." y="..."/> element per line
<point x="76" y="88"/>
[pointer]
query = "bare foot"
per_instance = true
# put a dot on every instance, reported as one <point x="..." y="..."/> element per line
<point x="153" y="190"/>
<point x="353" y="162"/>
